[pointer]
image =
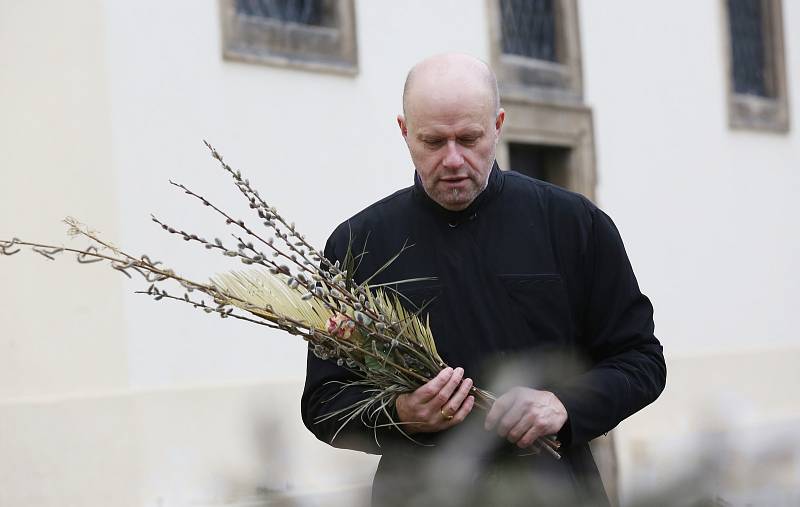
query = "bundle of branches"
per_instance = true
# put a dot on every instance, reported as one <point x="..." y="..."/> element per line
<point x="292" y="287"/>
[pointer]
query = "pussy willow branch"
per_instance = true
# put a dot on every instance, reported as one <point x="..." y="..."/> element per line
<point x="252" y="194"/>
<point x="270" y="212"/>
<point x="354" y="301"/>
<point x="241" y="224"/>
<point x="338" y="294"/>
<point x="325" y="284"/>
<point x="127" y="261"/>
<point x="213" y="292"/>
<point x="260" y="258"/>
<point x="199" y="304"/>
<point x="123" y="263"/>
<point x="4" y="245"/>
<point x="484" y="398"/>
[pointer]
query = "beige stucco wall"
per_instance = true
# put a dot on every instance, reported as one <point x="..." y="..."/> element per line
<point x="62" y="328"/>
<point x="216" y="445"/>
<point x="727" y="426"/>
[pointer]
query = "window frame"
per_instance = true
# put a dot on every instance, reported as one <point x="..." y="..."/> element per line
<point x="538" y="112"/>
<point x="294" y="45"/>
<point x="751" y="112"/>
<point x="531" y="79"/>
<point x="570" y="127"/>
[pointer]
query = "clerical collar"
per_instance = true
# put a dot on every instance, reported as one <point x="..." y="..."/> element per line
<point x="455" y="218"/>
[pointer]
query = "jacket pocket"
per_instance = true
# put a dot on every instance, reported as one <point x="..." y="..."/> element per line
<point x="418" y="296"/>
<point x="542" y="303"/>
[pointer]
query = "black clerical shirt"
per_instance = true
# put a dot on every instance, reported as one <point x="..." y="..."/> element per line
<point x="529" y="285"/>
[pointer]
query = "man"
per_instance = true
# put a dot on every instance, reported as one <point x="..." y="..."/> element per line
<point x="529" y="293"/>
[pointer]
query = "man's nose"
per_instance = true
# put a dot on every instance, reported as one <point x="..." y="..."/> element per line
<point x="453" y="158"/>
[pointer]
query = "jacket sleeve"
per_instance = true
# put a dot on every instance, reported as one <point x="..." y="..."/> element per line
<point x="627" y="369"/>
<point x="323" y="394"/>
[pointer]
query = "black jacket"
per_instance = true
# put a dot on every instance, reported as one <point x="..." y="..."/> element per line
<point x="532" y="287"/>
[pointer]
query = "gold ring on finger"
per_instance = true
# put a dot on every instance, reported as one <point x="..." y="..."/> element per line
<point x="447" y="417"/>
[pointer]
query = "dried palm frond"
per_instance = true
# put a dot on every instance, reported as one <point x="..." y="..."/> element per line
<point x="266" y="295"/>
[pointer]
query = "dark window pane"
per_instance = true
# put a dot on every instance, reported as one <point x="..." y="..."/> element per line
<point x="306" y="12"/>
<point x="746" y="19"/>
<point x="543" y="162"/>
<point x="529" y="28"/>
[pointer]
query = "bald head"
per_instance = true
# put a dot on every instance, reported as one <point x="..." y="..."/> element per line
<point x="451" y="123"/>
<point x="453" y="76"/>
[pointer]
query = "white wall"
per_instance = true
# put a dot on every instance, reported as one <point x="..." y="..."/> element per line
<point x="135" y="87"/>
<point x="319" y="146"/>
<point x="103" y="102"/>
<point x="60" y="326"/>
<point x="709" y="215"/>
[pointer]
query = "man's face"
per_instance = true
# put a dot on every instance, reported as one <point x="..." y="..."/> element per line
<point x="452" y="144"/>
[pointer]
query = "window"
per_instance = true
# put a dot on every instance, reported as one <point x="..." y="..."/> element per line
<point x="308" y="34"/>
<point x="757" y="97"/>
<point x="546" y="163"/>
<point x="304" y="12"/>
<point x="529" y="29"/>
<point x="535" y="52"/>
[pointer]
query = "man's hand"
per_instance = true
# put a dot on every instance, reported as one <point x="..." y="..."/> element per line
<point x="440" y="404"/>
<point x="523" y="414"/>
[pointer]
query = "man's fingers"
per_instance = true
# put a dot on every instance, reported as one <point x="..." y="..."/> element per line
<point x="457" y="399"/>
<point x="523" y="427"/>
<point x="442" y="402"/>
<point x="498" y="410"/>
<point x="463" y="411"/>
<point x="528" y="438"/>
<point x="444" y="394"/>
<point x="428" y="391"/>
<point x="510" y="419"/>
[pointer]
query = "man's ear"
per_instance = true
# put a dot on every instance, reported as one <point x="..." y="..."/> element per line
<point x="401" y="122"/>
<point x="498" y="122"/>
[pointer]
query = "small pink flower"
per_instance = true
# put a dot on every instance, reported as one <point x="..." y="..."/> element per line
<point x="341" y="326"/>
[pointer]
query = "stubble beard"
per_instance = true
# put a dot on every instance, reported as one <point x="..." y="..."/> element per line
<point x="457" y="199"/>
